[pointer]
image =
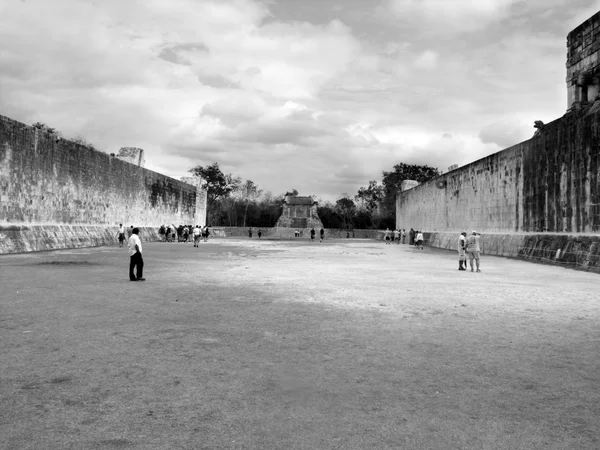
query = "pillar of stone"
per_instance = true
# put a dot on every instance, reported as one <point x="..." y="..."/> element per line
<point x="132" y="155"/>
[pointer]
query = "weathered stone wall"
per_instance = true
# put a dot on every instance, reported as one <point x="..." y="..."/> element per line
<point x="45" y="181"/>
<point x="549" y="183"/>
<point x="571" y="250"/>
<point x="299" y="212"/>
<point x="583" y="62"/>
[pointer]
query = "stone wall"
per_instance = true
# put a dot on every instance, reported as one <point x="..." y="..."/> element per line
<point x="570" y="250"/>
<point x="48" y="182"/>
<point x="583" y="62"/>
<point x="549" y="183"/>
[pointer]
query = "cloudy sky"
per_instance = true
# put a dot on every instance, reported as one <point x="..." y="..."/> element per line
<point x="316" y="95"/>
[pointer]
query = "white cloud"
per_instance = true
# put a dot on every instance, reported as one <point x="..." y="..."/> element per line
<point x="319" y="106"/>
<point x="443" y="16"/>
<point x="427" y="60"/>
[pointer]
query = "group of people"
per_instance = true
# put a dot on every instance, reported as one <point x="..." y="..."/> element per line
<point x="415" y="237"/>
<point x="313" y="233"/>
<point x="250" y="233"/>
<point x="184" y="233"/>
<point x="469" y="247"/>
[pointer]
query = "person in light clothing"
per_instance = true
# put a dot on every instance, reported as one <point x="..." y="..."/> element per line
<point x="473" y="249"/>
<point x="197" y="233"/>
<point x="419" y="240"/>
<point x="135" y="256"/>
<point x="462" y="248"/>
<point x="121" y="234"/>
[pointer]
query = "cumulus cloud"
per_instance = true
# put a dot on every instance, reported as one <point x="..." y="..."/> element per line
<point x="451" y="16"/>
<point x="505" y="134"/>
<point x="308" y="95"/>
<point x="427" y="60"/>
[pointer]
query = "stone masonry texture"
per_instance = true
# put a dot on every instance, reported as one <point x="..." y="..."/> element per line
<point x="549" y="183"/>
<point x="46" y="181"/>
<point x="583" y="60"/>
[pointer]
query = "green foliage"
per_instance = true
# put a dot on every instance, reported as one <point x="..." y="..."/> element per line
<point x="218" y="184"/>
<point x="391" y="181"/>
<point x="371" y="196"/>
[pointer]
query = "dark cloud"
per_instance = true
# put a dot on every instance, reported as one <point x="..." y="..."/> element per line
<point x="170" y="55"/>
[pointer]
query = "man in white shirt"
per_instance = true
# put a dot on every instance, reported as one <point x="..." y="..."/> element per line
<point x="197" y="233"/>
<point x="419" y="240"/>
<point x="473" y="249"/>
<point x="135" y="256"/>
<point x="462" y="248"/>
<point x="121" y="234"/>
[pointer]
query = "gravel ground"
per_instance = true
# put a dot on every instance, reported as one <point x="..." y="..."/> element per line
<point x="248" y="344"/>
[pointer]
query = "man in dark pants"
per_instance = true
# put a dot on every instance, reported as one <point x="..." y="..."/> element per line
<point x="135" y="256"/>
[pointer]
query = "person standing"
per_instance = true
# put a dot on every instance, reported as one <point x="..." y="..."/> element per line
<point x="322" y="234"/>
<point x="121" y="235"/>
<point x="473" y="249"/>
<point x="387" y="236"/>
<point x="403" y="235"/>
<point x="419" y="240"/>
<point x="197" y="232"/>
<point x="462" y="248"/>
<point x="411" y="237"/>
<point x="250" y="233"/>
<point x="396" y="236"/>
<point x="135" y="256"/>
<point x="312" y="234"/>
<point x="259" y="233"/>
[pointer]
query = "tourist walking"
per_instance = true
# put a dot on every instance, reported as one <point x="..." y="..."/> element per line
<point x="404" y="235"/>
<point x="135" y="257"/>
<point x="396" y="236"/>
<point x="121" y="235"/>
<point x="419" y="240"/>
<point x="411" y="237"/>
<point x="473" y="249"/>
<point x="197" y="232"/>
<point x="322" y="234"/>
<point x="250" y="233"/>
<point x="259" y="233"/>
<point x="462" y="249"/>
<point x="312" y="234"/>
<point x="387" y="236"/>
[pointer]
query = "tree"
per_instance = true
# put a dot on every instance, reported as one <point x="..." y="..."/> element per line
<point x="346" y="208"/>
<point x="218" y="184"/>
<point x="369" y="199"/>
<point x="248" y="192"/>
<point x="392" y="180"/>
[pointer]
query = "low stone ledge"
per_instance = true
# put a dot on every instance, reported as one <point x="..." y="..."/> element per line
<point x="571" y="250"/>
<point x="32" y="238"/>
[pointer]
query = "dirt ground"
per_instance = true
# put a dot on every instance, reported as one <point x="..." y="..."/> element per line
<point x="248" y="344"/>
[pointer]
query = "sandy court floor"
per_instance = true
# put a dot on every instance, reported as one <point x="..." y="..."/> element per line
<point x="349" y="344"/>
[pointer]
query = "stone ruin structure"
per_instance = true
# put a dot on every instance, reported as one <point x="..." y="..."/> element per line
<point x="538" y="199"/>
<point x="583" y="63"/>
<point x="132" y="155"/>
<point x="299" y="212"/>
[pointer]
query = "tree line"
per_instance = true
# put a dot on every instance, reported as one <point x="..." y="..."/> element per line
<point x="234" y="202"/>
